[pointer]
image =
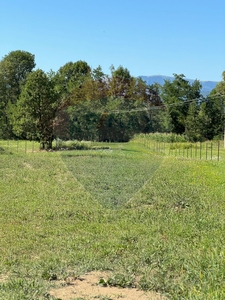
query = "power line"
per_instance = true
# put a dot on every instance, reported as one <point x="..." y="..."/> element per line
<point x="155" y="107"/>
<point x="164" y="105"/>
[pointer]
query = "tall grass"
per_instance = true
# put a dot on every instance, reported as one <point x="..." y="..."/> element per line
<point x="176" y="145"/>
<point x="163" y="137"/>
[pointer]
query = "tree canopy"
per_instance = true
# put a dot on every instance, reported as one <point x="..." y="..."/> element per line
<point x="78" y="102"/>
<point x="177" y="96"/>
<point x="14" y="69"/>
<point x="33" y="115"/>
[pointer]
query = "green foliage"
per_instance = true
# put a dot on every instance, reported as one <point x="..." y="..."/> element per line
<point x="206" y="120"/>
<point x="104" y="120"/>
<point x="32" y="117"/>
<point x="71" y="76"/>
<point x="14" y="69"/>
<point x="193" y="123"/>
<point x="164" y="137"/>
<point x="97" y="74"/>
<point x="214" y="111"/>
<point x="93" y="105"/>
<point x="121" y="73"/>
<point x="211" y="117"/>
<point x="116" y="108"/>
<point x="177" y="96"/>
<point x="102" y="108"/>
<point x="72" y="145"/>
<point x="121" y="280"/>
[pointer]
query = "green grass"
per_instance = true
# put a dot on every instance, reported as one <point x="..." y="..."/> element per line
<point x="154" y="222"/>
<point x="18" y="146"/>
<point x="112" y="176"/>
<point x="176" y="145"/>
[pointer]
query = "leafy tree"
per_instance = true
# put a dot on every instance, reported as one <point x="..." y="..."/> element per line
<point x="214" y="110"/>
<point x="177" y="96"/>
<point x="120" y="82"/>
<point x="109" y="108"/>
<point x="193" y="128"/>
<point x="14" y="69"/>
<point x="97" y="74"/>
<point x="71" y="76"/>
<point x="219" y="90"/>
<point x="84" y="119"/>
<point x="75" y="114"/>
<point x="3" y="105"/>
<point x="204" y="121"/>
<point x="32" y="117"/>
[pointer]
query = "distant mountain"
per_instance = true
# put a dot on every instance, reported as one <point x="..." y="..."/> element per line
<point x="207" y="86"/>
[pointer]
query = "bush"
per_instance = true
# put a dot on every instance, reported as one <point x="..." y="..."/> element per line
<point x="71" y="145"/>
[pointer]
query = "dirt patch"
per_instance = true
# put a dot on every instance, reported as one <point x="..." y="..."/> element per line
<point x="86" y="288"/>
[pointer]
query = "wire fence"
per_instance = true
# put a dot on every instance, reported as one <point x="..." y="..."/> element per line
<point x="19" y="146"/>
<point x="201" y="150"/>
<point x="26" y="146"/>
<point x="211" y="150"/>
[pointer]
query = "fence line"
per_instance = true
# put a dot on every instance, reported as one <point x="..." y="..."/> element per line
<point x="199" y="150"/>
<point x="202" y="151"/>
<point x="19" y="146"/>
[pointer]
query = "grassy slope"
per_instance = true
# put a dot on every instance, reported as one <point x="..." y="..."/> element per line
<point x="167" y="235"/>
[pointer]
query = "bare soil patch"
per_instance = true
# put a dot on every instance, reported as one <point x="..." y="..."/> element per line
<point x="86" y="288"/>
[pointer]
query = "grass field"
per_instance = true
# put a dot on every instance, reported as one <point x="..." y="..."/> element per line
<point x="156" y="222"/>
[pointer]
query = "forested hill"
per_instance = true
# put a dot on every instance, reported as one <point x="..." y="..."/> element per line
<point x="207" y="86"/>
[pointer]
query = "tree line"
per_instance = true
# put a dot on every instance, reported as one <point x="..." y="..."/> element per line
<point x="78" y="102"/>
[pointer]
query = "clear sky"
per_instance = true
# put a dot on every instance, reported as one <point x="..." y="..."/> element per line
<point x="149" y="37"/>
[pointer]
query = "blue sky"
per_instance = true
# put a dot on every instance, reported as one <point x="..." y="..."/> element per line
<point x="149" y="37"/>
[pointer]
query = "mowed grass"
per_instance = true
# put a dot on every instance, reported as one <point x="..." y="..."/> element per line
<point x="112" y="176"/>
<point x="154" y="222"/>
